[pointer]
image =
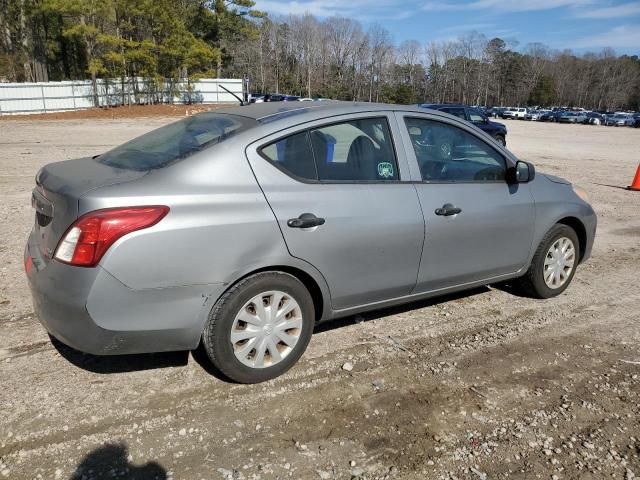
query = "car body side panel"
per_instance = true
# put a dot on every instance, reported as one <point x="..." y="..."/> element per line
<point x="218" y="223"/>
<point x="490" y="237"/>
<point x="370" y="245"/>
<point x="97" y="314"/>
<point x="554" y="202"/>
<point x="154" y="288"/>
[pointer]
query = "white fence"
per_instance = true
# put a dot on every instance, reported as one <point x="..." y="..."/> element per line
<point x="24" y="98"/>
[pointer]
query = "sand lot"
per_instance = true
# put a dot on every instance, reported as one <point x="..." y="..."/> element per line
<point x="484" y="384"/>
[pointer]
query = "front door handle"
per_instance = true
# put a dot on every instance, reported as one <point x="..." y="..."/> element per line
<point x="306" y="220"/>
<point x="447" y="210"/>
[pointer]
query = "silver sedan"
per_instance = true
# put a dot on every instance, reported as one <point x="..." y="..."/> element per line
<point x="239" y="230"/>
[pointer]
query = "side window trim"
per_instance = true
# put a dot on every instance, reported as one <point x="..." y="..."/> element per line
<point x="416" y="174"/>
<point x="260" y="152"/>
<point x="337" y="121"/>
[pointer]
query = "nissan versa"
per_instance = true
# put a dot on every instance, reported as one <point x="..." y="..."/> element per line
<point x="240" y="229"/>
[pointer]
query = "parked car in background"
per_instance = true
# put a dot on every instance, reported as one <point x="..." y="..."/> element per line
<point x="636" y="120"/>
<point x="508" y="113"/>
<point x="547" y="116"/>
<point x="241" y="229"/>
<point x="256" y="98"/>
<point x="520" y="113"/>
<point x="474" y="116"/>
<point x="572" y="117"/>
<point x="581" y="117"/>
<point x="516" y="113"/>
<point x="567" y="117"/>
<point x="555" y="115"/>
<point x="594" y="118"/>
<point x="535" y="115"/>
<point x="619" y="120"/>
<point x="279" y="97"/>
<point x="497" y="112"/>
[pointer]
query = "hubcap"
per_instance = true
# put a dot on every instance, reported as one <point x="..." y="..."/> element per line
<point x="559" y="262"/>
<point x="266" y="329"/>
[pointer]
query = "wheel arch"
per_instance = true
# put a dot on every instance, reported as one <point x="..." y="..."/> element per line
<point x="307" y="280"/>
<point x="311" y="278"/>
<point x="581" y="231"/>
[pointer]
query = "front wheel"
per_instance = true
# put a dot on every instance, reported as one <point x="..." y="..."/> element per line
<point x="501" y="140"/>
<point x="260" y="327"/>
<point x="553" y="265"/>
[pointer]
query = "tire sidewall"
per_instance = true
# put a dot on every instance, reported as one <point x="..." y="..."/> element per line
<point x="554" y="234"/>
<point x="216" y="336"/>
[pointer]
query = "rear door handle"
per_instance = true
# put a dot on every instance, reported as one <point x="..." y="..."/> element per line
<point x="306" y="220"/>
<point x="447" y="210"/>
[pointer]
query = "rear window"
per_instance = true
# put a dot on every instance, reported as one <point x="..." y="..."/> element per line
<point x="176" y="141"/>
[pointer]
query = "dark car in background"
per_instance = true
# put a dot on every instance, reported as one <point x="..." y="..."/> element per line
<point x="279" y="97"/>
<point x="495" y="112"/>
<point x="595" y="118"/>
<point x="474" y="116"/>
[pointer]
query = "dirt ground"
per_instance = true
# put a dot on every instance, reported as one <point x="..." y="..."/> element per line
<point x="480" y="385"/>
<point x="129" y="111"/>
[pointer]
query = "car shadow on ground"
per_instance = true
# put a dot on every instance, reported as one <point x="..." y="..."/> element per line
<point x="388" y="311"/>
<point x="131" y="363"/>
<point x="120" y="363"/>
<point x="112" y="460"/>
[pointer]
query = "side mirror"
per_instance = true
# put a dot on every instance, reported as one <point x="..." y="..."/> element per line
<point x="523" y="172"/>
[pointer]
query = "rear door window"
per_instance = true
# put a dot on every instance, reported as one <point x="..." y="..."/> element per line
<point x="358" y="150"/>
<point x="293" y="155"/>
<point x="176" y="141"/>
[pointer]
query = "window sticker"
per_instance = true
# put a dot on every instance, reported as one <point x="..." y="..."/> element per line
<point x="385" y="169"/>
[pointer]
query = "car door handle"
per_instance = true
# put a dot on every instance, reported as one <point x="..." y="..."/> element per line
<point x="306" y="220"/>
<point x="447" y="210"/>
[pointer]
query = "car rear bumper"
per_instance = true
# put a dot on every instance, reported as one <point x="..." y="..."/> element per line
<point x="91" y="311"/>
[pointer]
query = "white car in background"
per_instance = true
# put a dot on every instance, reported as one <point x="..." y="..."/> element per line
<point x="519" y="113"/>
<point x="515" y="113"/>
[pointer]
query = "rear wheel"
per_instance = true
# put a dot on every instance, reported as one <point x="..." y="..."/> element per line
<point x="553" y="265"/>
<point x="260" y="327"/>
<point x="501" y="140"/>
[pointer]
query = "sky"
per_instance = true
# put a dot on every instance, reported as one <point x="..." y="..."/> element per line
<point x="579" y="25"/>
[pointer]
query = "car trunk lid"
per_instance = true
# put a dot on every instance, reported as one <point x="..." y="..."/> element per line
<point x="55" y="199"/>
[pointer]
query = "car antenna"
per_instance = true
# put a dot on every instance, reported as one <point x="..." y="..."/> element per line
<point x="229" y="91"/>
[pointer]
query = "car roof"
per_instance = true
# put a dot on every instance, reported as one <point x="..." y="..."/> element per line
<point x="273" y="111"/>
<point x="442" y="105"/>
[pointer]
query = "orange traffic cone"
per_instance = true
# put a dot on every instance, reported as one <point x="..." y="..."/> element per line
<point x="635" y="185"/>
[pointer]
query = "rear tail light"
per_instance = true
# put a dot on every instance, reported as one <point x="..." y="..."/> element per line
<point x="91" y="235"/>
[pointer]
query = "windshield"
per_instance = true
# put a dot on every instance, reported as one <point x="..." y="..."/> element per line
<point x="174" y="142"/>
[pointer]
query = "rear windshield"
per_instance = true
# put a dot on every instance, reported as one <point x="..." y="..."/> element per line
<point x="176" y="141"/>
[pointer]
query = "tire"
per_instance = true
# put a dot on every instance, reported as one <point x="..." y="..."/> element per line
<point x="501" y="140"/>
<point x="533" y="282"/>
<point x="223" y="321"/>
